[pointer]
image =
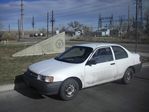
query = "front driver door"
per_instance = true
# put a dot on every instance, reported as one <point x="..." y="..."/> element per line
<point x="103" y="71"/>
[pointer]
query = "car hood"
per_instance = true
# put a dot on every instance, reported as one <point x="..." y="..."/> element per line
<point x="50" y="66"/>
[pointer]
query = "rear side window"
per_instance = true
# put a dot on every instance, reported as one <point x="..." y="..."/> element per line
<point x="119" y="52"/>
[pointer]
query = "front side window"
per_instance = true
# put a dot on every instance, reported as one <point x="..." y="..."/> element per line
<point x="103" y="55"/>
<point x="76" y="54"/>
<point x="119" y="52"/>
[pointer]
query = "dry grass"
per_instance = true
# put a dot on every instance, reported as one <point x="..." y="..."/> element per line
<point x="11" y="67"/>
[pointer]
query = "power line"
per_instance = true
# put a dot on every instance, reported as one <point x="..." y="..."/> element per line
<point x="83" y="9"/>
<point x="88" y="7"/>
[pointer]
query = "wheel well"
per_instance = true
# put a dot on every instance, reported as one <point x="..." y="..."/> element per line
<point x="132" y="68"/>
<point x="77" y="80"/>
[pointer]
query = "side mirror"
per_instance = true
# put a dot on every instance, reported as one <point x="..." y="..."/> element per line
<point x="91" y="62"/>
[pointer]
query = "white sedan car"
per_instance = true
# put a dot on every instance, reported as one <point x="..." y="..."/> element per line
<point x="82" y="66"/>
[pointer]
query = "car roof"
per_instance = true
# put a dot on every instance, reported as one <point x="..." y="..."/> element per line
<point x="97" y="45"/>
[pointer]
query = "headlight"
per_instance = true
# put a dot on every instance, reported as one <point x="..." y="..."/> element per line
<point x="45" y="78"/>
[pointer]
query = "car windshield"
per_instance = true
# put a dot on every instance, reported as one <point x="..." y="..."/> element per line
<point x="76" y="54"/>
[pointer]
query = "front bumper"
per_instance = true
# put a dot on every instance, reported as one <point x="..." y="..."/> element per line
<point x="42" y="87"/>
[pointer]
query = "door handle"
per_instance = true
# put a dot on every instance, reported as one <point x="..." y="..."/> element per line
<point x="112" y="64"/>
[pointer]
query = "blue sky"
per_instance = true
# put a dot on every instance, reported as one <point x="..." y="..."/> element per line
<point x="84" y="11"/>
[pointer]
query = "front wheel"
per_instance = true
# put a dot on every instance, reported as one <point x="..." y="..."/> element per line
<point x="127" y="76"/>
<point x="69" y="89"/>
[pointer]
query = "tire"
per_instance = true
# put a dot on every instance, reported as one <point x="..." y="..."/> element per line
<point x="128" y="76"/>
<point x="69" y="89"/>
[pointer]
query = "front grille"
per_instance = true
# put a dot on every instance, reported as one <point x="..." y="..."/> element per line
<point x="32" y="74"/>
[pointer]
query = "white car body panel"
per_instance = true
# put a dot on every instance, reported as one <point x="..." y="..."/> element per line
<point x="60" y="70"/>
<point x="94" y="76"/>
<point x="89" y="75"/>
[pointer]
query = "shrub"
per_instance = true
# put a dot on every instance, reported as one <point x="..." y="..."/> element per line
<point x="9" y="36"/>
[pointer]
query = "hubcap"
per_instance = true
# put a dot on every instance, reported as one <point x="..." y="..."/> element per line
<point x="70" y="90"/>
<point x="128" y="77"/>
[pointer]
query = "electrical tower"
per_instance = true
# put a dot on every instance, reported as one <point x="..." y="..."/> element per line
<point x="52" y="22"/>
<point x="105" y="19"/>
<point x="21" y="19"/>
<point x="111" y="21"/>
<point x="99" y="23"/>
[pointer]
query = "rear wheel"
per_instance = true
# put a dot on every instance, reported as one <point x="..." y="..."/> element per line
<point x="128" y="76"/>
<point x="69" y="89"/>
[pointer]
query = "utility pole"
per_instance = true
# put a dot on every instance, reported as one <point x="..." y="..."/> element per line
<point x="136" y="26"/>
<point x="52" y="23"/>
<point x="99" y="23"/>
<point x="120" y="25"/>
<point x="33" y="23"/>
<point x="139" y="19"/>
<point x="140" y="13"/>
<point x="9" y="28"/>
<point x="147" y="19"/>
<point x="128" y="28"/>
<point x="47" y="24"/>
<point x="21" y="20"/>
<point x="111" y="22"/>
<point x="120" y="21"/>
<point x="19" y="34"/>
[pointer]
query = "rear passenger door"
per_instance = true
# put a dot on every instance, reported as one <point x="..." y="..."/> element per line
<point x="121" y="60"/>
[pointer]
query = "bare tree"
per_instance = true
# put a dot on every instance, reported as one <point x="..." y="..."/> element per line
<point x="75" y="25"/>
<point x="43" y="30"/>
<point x="87" y="30"/>
<point x="63" y="29"/>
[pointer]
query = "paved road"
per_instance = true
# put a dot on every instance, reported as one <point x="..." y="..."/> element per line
<point x="110" y="97"/>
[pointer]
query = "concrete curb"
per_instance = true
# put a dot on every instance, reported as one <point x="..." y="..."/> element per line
<point x="9" y="87"/>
